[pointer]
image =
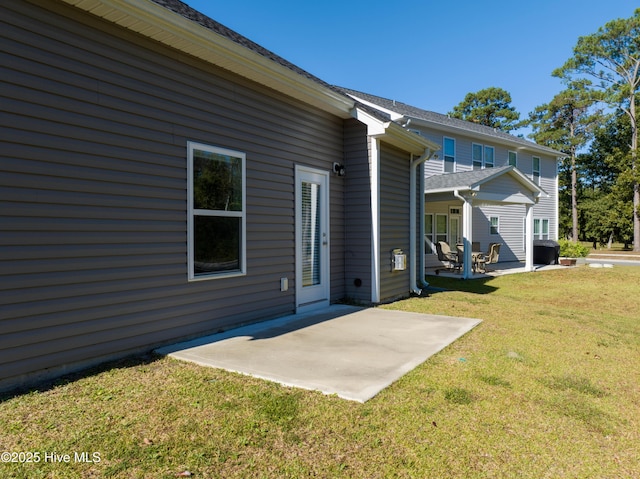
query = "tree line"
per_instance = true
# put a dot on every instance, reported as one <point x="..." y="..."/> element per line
<point x="594" y="122"/>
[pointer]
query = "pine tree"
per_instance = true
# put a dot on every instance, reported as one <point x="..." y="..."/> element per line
<point x="612" y="57"/>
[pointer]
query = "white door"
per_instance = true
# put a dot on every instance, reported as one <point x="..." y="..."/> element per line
<point x="312" y="238"/>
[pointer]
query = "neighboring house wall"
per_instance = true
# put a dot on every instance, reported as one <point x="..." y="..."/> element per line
<point x="94" y="246"/>
<point x="394" y="215"/>
<point x="511" y="217"/>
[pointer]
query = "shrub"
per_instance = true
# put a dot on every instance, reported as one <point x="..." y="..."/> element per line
<point x="570" y="249"/>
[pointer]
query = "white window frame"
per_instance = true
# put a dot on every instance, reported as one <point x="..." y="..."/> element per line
<point x="445" y="155"/>
<point x="474" y="159"/>
<point x="485" y="163"/>
<point x="535" y="172"/>
<point x="539" y="225"/>
<point x="482" y="162"/>
<point x="436" y="234"/>
<point x="429" y="237"/>
<point x="512" y="155"/>
<point x="192" y="213"/>
<point x="497" y="226"/>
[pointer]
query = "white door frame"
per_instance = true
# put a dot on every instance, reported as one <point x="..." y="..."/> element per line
<point x="313" y="295"/>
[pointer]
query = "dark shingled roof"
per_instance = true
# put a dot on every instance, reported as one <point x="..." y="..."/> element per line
<point x="190" y="13"/>
<point x="466" y="180"/>
<point x="193" y="15"/>
<point x="463" y="179"/>
<point x="445" y="120"/>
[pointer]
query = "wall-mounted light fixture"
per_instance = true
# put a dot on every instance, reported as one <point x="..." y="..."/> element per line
<point x="338" y="169"/>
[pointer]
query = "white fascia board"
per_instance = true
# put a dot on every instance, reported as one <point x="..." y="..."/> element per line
<point x="516" y="175"/>
<point x="498" y="198"/>
<point x="395" y="116"/>
<point x="375" y="127"/>
<point x="448" y="189"/>
<point x="172" y="29"/>
<point x="535" y="189"/>
<point x="394" y="134"/>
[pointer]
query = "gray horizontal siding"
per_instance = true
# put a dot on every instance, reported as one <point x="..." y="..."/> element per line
<point x="94" y="122"/>
<point x="394" y="216"/>
<point x="358" y="228"/>
<point x="511" y="217"/>
<point x="511" y="230"/>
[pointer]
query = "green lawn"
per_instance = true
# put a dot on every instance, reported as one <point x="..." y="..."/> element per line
<point x="548" y="386"/>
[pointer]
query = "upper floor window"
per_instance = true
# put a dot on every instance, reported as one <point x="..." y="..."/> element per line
<point x="476" y="156"/>
<point x="449" y="149"/>
<point x="482" y="156"/>
<point x="216" y="200"/>
<point x="536" y="170"/>
<point x="489" y="154"/>
<point x="513" y="159"/>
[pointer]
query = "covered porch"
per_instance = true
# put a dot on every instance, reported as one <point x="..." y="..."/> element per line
<point x="504" y="186"/>
<point x="501" y="269"/>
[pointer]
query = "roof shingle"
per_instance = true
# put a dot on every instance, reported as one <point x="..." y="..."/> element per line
<point x="445" y="120"/>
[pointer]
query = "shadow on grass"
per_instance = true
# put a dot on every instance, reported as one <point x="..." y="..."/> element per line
<point x="52" y="383"/>
<point x="475" y="286"/>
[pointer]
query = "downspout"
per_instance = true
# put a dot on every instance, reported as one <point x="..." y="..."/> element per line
<point x="375" y="219"/>
<point x="413" y="226"/>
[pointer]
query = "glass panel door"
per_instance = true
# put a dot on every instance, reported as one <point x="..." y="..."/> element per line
<point x="312" y="238"/>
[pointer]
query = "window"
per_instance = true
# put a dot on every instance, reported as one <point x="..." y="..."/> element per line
<point x="494" y="227"/>
<point x="441" y="228"/>
<point x="536" y="170"/>
<point x="513" y="159"/>
<point x="489" y="153"/>
<point x="449" y="148"/>
<point x="476" y="156"/>
<point x="216" y="215"/>
<point x="482" y="156"/>
<point x="541" y="228"/>
<point x="428" y="234"/>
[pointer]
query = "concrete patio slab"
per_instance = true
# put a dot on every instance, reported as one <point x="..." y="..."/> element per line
<point x="344" y="350"/>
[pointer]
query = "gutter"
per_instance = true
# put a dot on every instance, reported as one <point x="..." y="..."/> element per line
<point x="393" y="134"/>
<point x="191" y="32"/>
<point x="413" y="226"/>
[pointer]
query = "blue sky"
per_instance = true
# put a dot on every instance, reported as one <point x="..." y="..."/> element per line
<point x="427" y="53"/>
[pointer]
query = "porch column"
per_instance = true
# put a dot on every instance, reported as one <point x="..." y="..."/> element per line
<point x="529" y="239"/>
<point x="467" y="236"/>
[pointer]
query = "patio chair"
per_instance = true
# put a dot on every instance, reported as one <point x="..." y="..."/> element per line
<point x="490" y="258"/>
<point x="448" y="257"/>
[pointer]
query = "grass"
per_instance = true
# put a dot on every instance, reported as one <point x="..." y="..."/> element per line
<point x="615" y="249"/>
<point x="546" y="386"/>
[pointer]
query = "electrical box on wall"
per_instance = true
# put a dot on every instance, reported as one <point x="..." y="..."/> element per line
<point x="398" y="260"/>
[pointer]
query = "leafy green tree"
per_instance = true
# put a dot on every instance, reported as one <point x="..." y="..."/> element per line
<point x="489" y="107"/>
<point x="606" y="208"/>
<point x="606" y="216"/>
<point x="612" y="57"/>
<point x="566" y="124"/>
